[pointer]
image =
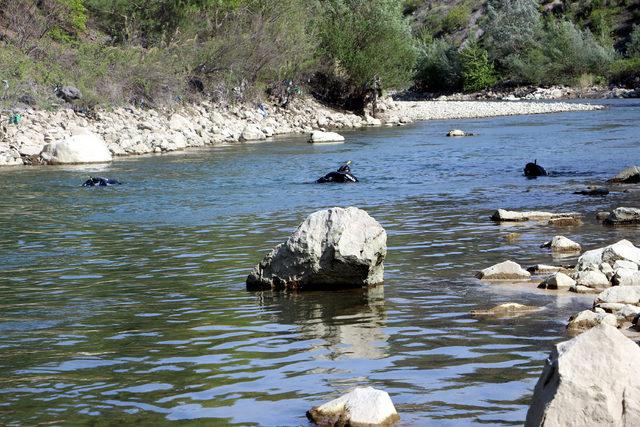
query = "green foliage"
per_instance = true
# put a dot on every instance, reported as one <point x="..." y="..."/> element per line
<point x="633" y="47"/>
<point x="366" y="39"/>
<point x="477" y="71"/>
<point x="626" y="72"/>
<point x="456" y="19"/>
<point x="76" y="14"/>
<point x="439" y="68"/>
<point x="510" y="27"/>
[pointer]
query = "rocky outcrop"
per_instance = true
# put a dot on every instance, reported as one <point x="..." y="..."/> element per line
<point x="332" y="248"/>
<point x="630" y="175"/>
<point x="589" y="380"/>
<point x="364" y="406"/>
<point x="623" y="216"/>
<point x="319" y="136"/>
<point x="507" y="270"/>
<point x="502" y="215"/>
<point x="562" y="244"/>
<point x="82" y="147"/>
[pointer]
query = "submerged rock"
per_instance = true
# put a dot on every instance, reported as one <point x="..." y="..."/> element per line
<point x="319" y="136"/>
<point x="364" y="406"/>
<point x="589" y="380"/>
<point x="507" y="270"/>
<point x="515" y="216"/>
<point x="332" y="248"/>
<point x="84" y="147"/>
<point x="506" y="309"/>
<point x="593" y="191"/>
<point x="458" y="132"/>
<point x="623" y="216"/>
<point x="562" y="244"/>
<point x="630" y="175"/>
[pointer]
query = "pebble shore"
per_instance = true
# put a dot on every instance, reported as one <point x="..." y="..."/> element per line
<point x="134" y="131"/>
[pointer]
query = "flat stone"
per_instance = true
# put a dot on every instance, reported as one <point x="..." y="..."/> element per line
<point x="319" y="136"/>
<point x="507" y="270"/>
<point x="506" y="309"/>
<point x="516" y="216"/>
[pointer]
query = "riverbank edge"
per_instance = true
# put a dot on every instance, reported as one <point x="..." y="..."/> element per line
<point x="134" y="131"/>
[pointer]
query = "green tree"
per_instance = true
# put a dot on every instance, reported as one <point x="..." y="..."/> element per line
<point x="439" y="68"/>
<point x="477" y="71"/>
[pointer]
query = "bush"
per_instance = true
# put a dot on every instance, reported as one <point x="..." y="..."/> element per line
<point x="439" y="68"/>
<point x="626" y="72"/>
<point x="477" y="72"/>
<point x="633" y="47"/>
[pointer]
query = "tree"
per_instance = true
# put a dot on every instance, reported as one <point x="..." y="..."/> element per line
<point x="477" y="71"/>
<point x="363" y="41"/>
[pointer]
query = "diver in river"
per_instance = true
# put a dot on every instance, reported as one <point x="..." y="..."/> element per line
<point x="343" y="174"/>
<point x="534" y="170"/>
<point x="98" y="181"/>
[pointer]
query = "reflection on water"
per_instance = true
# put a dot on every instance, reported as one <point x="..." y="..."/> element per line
<point x="127" y="303"/>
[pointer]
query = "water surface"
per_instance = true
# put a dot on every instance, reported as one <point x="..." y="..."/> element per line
<point x="126" y="305"/>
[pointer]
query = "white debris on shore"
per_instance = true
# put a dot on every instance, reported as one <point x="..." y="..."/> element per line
<point x="445" y="110"/>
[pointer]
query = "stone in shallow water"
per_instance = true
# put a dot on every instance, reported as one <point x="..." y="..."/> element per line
<point x="364" y="406"/>
<point x="629" y="175"/>
<point x="558" y="280"/>
<point x="507" y="270"/>
<point x="623" y="216"/>
<point x="333" y="248"/>
<point x="506" y="309"/>
<point x="588" y="319"/>
<point x="591" y="380"/>
<point x="319" y="136"/>
<point x="516" y="216"/>
<point x="562" y="244"/>
<point x="620" y="295"/>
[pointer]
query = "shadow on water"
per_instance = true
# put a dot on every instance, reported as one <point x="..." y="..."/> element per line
<point x="127" y="304"/>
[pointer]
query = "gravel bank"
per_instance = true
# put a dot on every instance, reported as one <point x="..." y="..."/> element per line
<point x="443" y="110"/>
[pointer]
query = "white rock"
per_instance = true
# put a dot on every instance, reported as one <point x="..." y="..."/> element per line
<point x="332" y="248"/>
<point x="592" y="279"/>
<point x="506" y="309"/>
<point x="456" y="132"/>
<point x="505" y="215"/>
<point x="628" y="175"/>
<point x="252" y="133"/>
<point x="562" y="244"/>
<point x="507" y="270"/>
<point x="364" y="406"/>
<point x="625" y="277"/>
<point x="590" y="260"/>
<point x="590" y="380"/>
<point x="81" y="148"/>
<point x="620" y="295"/>
<point x="623" y="250"/>
<point x="558" y="281"/>
<point x="588" y="319"/>
<point x="627" y="265"/>
<point x="319" y="136"/>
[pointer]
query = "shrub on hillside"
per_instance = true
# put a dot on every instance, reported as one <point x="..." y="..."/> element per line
<point x="477" y="71"/>
<point x="456" y="19"/>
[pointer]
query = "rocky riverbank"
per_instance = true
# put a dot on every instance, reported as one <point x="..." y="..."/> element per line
<point x="135" y="131"/>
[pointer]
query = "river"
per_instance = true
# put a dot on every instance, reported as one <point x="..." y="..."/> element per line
<point x="127" y="304"/>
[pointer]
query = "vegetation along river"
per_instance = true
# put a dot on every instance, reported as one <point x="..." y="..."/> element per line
<point x="128" y="303"/>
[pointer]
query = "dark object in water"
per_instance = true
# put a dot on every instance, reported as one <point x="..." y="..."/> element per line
<point x="343" y="174"/>
<point x="593" y="191"/>
<point x="98" y="181"/>
<point x="532" y="170"/>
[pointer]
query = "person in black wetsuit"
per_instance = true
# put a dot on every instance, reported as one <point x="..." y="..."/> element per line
<point x="98" y="181"/>
<point x="343" y="174"/>
<point x="533" y="170"/>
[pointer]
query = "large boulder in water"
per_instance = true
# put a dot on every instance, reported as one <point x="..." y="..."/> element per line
<point x="364" y="406"/>
<point x="623" y="216"/>
<point x="589" y="380"/>
<point x="332" y="248"/>
<point x="320" y="136"/>
<point x="82" y="147"/>
<point x="507" y="270"/>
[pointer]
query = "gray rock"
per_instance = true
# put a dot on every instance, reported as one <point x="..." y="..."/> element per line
<point x="589" y="380"/>
<point x="592" y="279"/>
<point x="85" y="147"/>
<point x="623" y="216"/>
<point x="364" y="406"/>
<point x="629" y="175"/>
<point x="319" y="136"/>
<point x="602" y="215"/>
<point x="252" y="133"/>
<point x="506" y="309"/>
<point x="69" y="93"/>
<point x="332" y="248"/>
<point x="625" y="277"/>
<point x="507" y="270"/>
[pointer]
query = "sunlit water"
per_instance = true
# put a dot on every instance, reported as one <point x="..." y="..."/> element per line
<point x="127" y="304"/>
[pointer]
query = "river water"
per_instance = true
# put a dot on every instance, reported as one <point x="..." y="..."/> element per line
<point x="127" y="304"/>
